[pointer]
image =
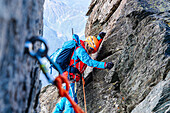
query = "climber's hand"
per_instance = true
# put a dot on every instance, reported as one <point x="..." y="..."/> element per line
<point x="109" y="65"/>
<point x="102" y="34"/>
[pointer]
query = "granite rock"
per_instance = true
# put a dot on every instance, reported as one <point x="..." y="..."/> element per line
<point x="19" y="85"/>
<point x="137" y="41"/>
<point x="48" y="98"/>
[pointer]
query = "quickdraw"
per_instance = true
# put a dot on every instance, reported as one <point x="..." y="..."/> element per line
<point x="58" y="81"/>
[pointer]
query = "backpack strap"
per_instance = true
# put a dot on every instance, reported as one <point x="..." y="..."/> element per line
<point x="72" y="69"/>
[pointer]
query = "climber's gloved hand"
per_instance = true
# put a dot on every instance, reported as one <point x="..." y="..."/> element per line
<point x="109" y="65"/>
<point x="102" y="34"/>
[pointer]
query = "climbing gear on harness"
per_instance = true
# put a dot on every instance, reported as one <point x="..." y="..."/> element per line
<point x="58" y="81"/>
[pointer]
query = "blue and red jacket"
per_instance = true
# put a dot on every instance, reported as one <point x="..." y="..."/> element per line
<point x="80" y="60"/>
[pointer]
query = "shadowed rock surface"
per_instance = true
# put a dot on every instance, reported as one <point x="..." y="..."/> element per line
<point x="19" y="85"/>
<point x="137" y="41"/>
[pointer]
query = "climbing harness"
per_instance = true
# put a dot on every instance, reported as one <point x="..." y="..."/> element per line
<point x="59" y="80"/>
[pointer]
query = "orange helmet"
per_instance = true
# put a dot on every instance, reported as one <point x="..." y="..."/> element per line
<point x="93" y="43"/>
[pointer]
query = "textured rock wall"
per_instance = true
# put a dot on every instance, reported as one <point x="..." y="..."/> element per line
<point x="48" y="98"/>
<point x="19" y="85"/>
<point x="157" y="100"/>
<point x="137" y="41"/>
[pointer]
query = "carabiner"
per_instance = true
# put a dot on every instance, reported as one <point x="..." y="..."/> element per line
<point x="29" y="45"/>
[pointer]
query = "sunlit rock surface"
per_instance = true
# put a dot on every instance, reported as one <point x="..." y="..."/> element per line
<point x="48" y="98"/>
<point x="137" y="41"/>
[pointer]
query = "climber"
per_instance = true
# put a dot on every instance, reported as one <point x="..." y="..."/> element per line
<point x="81" y="55"/>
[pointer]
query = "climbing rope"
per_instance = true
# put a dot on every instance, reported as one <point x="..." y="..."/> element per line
<point x="84" y="97"/>
<point x="58" y="81"/>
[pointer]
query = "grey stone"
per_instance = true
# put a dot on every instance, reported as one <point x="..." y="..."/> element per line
<point x="137" y="41"/>
<point x="20" y="85"/>
<point x="152" y="103"/>
<point x="48" y="98"/>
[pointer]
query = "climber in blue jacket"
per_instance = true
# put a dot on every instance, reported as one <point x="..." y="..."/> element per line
<point x="79" y="61"/>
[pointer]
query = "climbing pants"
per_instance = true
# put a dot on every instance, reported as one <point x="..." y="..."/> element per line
<point x="64" y="104"/>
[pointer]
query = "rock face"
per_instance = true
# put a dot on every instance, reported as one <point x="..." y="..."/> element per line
<point x="19" y="85"/>
<point x="48" y="98"/>
<point x="137" y="41"/>
<point x="157" y="100"/>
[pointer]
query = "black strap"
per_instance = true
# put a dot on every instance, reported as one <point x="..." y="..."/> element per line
<point x="74" y="70"/>
<point x="75" y="63"/>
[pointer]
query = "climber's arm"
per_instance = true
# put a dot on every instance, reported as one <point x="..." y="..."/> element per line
<point x="85" y="58"/>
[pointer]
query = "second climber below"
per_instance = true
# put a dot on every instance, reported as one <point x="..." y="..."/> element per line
<point x="81" y="55"/>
